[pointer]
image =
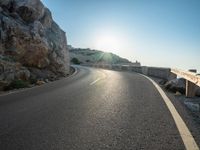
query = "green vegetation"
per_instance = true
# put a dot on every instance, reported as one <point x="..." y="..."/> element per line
<point x="9" y="59"/>
<point x="75" y="61"/>
<point x="17" y="84"/>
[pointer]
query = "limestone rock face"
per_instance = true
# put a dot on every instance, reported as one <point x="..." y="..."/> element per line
<point x="31" y="38"/>
<point x="10" y="71"/>
<point x="30" y="10"/>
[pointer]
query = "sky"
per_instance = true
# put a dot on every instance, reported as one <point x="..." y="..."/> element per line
<point x="161" y="33"/>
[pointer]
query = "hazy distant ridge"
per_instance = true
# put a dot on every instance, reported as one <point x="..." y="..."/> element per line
<point x="86" y="56"/>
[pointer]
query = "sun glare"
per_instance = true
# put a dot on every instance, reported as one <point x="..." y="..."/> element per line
<point x="107" y="42"/>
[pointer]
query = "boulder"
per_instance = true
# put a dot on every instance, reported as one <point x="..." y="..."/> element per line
<point x="40" y="82"/>
<point x="176" y="85"/>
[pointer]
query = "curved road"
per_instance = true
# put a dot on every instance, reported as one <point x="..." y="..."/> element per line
<point x="94" y="109"/>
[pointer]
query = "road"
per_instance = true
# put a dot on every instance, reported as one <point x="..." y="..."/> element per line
<point x="93" y="109"/>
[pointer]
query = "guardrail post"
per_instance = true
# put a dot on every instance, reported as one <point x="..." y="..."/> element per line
<point x="191" y="87"/>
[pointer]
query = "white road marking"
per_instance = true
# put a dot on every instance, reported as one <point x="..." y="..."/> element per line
<point x="104" y="75"/>
<point x="186" y="135"/>
<point x="95" y="81"/>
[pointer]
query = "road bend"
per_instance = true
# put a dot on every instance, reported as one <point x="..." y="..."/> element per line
<point x="93" y="109"/>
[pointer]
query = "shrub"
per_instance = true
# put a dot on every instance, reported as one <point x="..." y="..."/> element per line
<point x="75" y="61"/>
<point x="17" y="84"/>
<point x="32" y="80"/>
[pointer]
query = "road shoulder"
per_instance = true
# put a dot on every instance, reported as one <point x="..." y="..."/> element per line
<point x="191" y="118"/>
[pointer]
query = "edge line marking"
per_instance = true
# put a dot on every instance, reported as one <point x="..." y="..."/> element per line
<point x="185" y="134"/>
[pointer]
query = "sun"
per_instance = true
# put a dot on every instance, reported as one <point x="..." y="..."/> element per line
<point x="108" y="42"/>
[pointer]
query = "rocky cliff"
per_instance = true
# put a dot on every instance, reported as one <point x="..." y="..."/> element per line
<point x="32" y="45"/>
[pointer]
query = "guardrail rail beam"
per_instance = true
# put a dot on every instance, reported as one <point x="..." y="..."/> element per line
<point x="192" y="80"/>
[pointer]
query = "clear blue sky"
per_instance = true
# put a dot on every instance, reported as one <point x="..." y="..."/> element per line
<point x="162" y="33"/>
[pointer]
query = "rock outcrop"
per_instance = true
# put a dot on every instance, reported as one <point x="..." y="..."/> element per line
<point x="176" y="85"/>
<point x="179" y="85"/>
<point x="30" y="40"/>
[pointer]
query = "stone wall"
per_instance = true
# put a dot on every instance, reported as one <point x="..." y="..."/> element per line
<point x="162" y="73"/>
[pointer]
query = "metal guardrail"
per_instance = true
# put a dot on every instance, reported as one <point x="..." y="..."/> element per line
<point x="155" y="71"/>
<point x="192" y="79"/>
<point x="190" y="76"/>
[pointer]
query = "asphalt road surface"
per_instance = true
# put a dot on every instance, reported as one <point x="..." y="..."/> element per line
<point x="93" y="109"/>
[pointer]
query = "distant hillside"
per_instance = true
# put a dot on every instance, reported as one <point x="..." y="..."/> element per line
<point x="88" y="56"/>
